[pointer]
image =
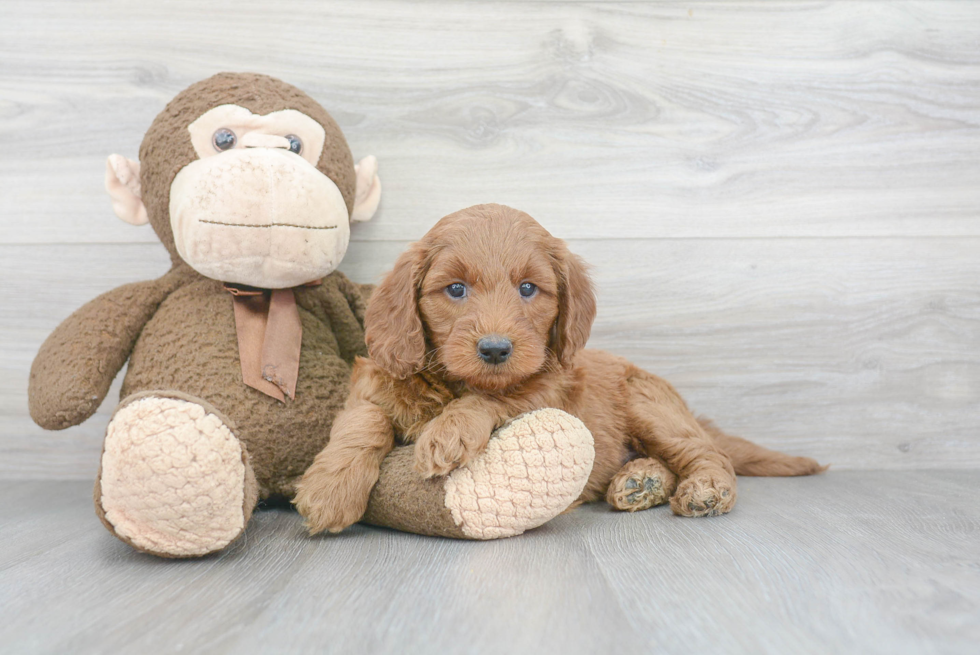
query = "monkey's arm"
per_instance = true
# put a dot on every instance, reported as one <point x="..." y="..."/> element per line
<point x="366" y="290"/>
<point x="343" y="303"/>
<point x="76" y="364"/>
<point x="356" y="295"/>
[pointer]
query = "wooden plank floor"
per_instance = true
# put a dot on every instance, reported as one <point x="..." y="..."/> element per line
<point x="847" y="562"/>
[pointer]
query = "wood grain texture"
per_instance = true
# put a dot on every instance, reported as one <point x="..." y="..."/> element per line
<point x="860" y="356"/>
<point x="780" y="198"/>
<point x="623" y="119"/>
<point x="858" y="562"/>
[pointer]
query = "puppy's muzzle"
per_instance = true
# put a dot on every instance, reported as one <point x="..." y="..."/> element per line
<point x="494" y="349"/>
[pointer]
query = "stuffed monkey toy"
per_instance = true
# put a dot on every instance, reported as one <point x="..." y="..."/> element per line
<point x="239" y="356"/>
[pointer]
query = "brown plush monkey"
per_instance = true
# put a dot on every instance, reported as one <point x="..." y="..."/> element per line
<point x="239" y="356"/>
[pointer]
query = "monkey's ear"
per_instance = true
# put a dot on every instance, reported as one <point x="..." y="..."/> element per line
<point x="367" y="194"/>
<point x="122" y="181"/>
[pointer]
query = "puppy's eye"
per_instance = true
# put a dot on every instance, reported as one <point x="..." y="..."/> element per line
<point x="295" y="144"/>
<point x="456" y="290"/>
<point x="527" y="289"/>
<point x="223" y="139"/>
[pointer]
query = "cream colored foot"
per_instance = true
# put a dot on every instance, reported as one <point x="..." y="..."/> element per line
<point x="533" y="469"/>
<point x="175" y="480"/>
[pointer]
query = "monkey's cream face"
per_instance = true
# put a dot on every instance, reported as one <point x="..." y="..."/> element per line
<point x="254" y="209"/>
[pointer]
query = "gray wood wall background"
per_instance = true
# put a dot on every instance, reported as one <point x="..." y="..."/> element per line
<point x="780" y="199"/>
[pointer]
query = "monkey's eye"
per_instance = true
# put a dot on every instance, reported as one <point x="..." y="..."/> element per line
<point x="456" y="290"/>
<point x="295" y="144"/>
<point x="527" y="289"/>
<point x="223" y="139"/>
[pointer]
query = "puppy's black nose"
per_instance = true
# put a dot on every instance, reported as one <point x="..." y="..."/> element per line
<point x="494" y="349"/>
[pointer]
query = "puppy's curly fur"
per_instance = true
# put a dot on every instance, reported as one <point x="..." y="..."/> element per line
<point x="492" y="271"/>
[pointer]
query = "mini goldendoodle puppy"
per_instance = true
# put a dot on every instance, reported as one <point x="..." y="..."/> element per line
<point x="484" y="319"/>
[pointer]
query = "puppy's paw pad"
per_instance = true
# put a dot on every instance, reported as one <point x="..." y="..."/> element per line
<point x="640" y="485"/>
<point x="649" y="492"/>
<point x="704" y="495"/>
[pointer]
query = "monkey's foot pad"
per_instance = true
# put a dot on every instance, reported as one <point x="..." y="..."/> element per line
<point x="532" y="469"/>
<point x="641" y="484"/>
<point x="173" y="478"/>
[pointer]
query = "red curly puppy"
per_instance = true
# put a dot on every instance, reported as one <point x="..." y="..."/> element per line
<point x="484" y="319"/>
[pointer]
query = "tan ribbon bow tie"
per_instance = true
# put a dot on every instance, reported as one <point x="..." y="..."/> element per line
<point x="270" y="336"/>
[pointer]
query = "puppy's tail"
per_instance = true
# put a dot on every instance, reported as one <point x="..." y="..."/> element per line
<point x="751" y="459"/>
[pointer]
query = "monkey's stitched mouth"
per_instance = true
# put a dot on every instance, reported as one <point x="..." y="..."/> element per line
<point x="301" y="227"/>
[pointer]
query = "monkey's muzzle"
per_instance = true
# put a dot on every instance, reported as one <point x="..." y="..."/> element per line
<point x="259" y="216"/>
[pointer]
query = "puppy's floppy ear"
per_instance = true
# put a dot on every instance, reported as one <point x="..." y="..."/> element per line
<point x="392" y="324"/>
<point x="576" y="304"/>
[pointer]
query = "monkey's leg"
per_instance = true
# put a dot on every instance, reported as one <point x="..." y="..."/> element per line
<point x="174" y="480"/>
<point x="532" y="469"/>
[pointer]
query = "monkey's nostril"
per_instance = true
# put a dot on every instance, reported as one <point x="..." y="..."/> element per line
<point x="494" y="349"/>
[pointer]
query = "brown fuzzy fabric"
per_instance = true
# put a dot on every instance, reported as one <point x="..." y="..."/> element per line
<point x="78" y="361"/>
<point x="178" y="350"/>
<point x="402" y="501"/>
<point x="167" y="145"/>
<point x="178" y="332"/>
<point x="187" y="342"/>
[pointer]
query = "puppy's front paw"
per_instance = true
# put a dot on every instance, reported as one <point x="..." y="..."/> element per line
<point x="704" y="493"/>
<point x="329" y="502"/>
<point x="438" y="451"/>
<point x="448" y="442"/>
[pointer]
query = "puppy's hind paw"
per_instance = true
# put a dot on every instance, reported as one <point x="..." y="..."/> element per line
<point x="641" y="484"/>
<point x="704" y="493"/>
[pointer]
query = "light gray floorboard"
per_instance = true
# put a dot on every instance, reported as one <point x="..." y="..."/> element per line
<point x="846" y="562"/>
